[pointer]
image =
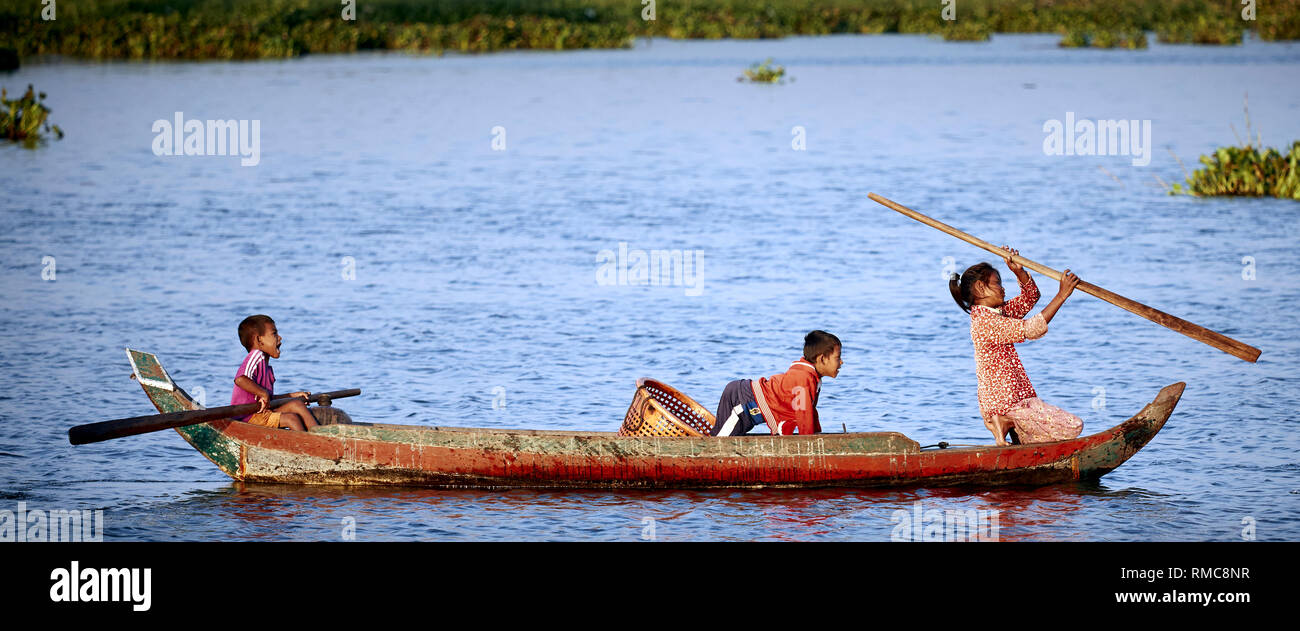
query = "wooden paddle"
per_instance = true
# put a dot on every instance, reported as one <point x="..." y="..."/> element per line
<point x="106" y="430"/>
<point x="1194" y="331"/>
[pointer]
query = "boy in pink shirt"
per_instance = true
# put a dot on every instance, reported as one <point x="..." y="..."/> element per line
<point x="256" y="380"/>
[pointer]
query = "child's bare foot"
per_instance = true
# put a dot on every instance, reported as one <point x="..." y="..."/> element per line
<point x="993" y="429"/>
<point x="999" y="426"/>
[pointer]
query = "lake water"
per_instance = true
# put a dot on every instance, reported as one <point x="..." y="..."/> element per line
<point x="476" y="272"/>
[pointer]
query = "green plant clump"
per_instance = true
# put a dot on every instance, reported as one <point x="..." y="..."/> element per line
<point x="967" y="31"/>
<point x="764" y="72"/>
<point x="1246" y="171"/>
<point x="24" y="119"/>
<point x="1202" y="30"/>
<point x="1131" y="39"/>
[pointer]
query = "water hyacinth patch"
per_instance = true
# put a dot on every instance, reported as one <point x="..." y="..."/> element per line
<point x="1248" y="172"/>
<point x="764" y="73"/>
<point x="1280" y="22"/>
<point x="1094" y="37"/>
<point x="25" y="119"/>
<point x="967" y="31"/>
<point x="1202" y="30"/>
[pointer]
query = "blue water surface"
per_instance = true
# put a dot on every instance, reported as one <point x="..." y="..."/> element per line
<point x="477" y="272"/>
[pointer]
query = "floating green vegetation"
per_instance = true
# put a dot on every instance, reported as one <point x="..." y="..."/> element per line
<point x="967" y="31"/>
<point x="1201" y="30"/>
<point x="1131" y="39"/>
<point x="1246" y="171"/>
<point x="763" y="73"/>
<point x="24" y="119"/>
<point x="1281" y="21"/>
<point x="252" y="29"/>
<point x="1075" y="38"/>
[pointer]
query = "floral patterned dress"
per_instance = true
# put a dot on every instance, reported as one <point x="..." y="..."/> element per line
<point x="1004" y="388"/>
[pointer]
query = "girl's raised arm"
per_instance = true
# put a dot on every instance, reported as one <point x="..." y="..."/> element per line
<point x="1068" y="282"/>
<point x="1019" y="306"/>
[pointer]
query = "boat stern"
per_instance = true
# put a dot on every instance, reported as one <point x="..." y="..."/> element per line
<point x="166" y="396"/>
<point x="1132" y="435"/>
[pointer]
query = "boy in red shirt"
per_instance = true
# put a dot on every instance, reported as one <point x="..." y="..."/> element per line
<point x="786" y="402"/>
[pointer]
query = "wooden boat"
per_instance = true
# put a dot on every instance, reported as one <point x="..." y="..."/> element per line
<point x="345" y="453"/>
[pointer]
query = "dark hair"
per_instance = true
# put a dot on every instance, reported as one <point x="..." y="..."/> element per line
<point x="252" y="327"/>
<point x="960" y="286"/>
<point x="818" y="343"/>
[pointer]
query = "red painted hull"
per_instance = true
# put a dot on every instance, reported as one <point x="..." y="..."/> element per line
<point x="365" y="454"/>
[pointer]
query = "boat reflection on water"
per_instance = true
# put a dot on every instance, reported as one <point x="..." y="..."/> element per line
<point x="312" y="512"/>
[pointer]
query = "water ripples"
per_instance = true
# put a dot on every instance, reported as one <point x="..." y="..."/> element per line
<point x="476" y="270"/>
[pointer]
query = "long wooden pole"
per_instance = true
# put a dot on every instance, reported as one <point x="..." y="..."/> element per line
<point x="1194" y="331"/>
<point x="105" y="430"/>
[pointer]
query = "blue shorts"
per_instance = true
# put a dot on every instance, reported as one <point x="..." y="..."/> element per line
<point x="737" y="411"/>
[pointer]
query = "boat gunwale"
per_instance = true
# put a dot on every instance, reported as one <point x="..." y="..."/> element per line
<point x="1166" y="398"/>
<point x="599" y="434"/>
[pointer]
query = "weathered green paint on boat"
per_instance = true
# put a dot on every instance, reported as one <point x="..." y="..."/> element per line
<point x="218" y="447"/>
<point x="363" y="453"/>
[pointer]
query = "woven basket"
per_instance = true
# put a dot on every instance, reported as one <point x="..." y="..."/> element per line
<point x="659" y="409"/>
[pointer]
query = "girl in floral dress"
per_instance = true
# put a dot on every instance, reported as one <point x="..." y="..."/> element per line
<point x="1007" y="399"/>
